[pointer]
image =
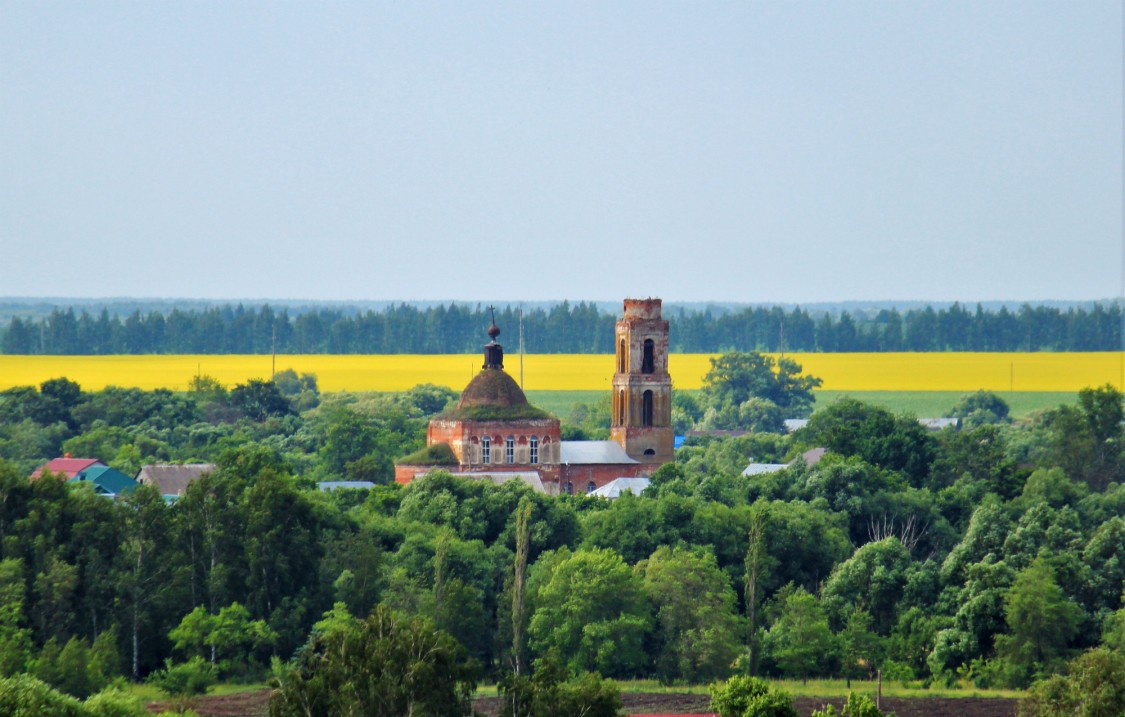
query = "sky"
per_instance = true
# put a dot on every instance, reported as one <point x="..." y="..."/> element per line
<point x="745" y="151"/>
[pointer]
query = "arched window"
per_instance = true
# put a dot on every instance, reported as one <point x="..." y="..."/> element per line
<point x="591" y="487"/>
<point x="533" y="449"/>
<point x="509" y="450"/>
<point x="648" y="364"/>
<point x="485" y="450"/>
<point x="650" y="452"/>
<point x="621" y="357"/>
<point x="646" y="409"/>
<point x="621" y="408"/>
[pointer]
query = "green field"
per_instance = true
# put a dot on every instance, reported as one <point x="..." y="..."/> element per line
<point x="926" y="404"/>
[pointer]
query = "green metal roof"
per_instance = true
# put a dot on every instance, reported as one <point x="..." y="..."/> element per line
<point x="106" y="480"/>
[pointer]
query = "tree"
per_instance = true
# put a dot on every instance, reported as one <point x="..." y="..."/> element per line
<point x="1094" y="687"/>
<point x="695" y="618"/>
<point x="15" y="638"/>
<point x="592" y="608"/>
<point x="385" y="666"/>
<point x="755" y="558"/>
<point x="853" y="428"/>
<point x="1041" y="619"/>
<point x="737" y="377"/>
<point x="231" y="635"/>
<point x="980" y="408"/>
<point x="519" y="579"/>
<point x="259" y="400"/>
<point x="799" y="639"/>
<point x="871" y="580"/>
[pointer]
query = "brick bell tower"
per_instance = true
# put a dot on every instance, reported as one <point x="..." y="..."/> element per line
<point x="642" y="388"/>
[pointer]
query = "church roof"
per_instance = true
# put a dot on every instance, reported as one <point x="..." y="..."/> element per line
<point x="596" y="452"/>
<point x="617" y="486"/>
<point x="493" y="395"/>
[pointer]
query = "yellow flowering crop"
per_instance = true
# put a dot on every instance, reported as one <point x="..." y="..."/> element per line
<point x="569" y="372"/>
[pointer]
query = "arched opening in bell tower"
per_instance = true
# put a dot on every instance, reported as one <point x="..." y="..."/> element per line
<point x="648" y="364"/>
<point x="646" y="408"/>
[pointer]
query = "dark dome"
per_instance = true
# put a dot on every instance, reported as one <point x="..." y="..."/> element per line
<point x="492" y="388"/>
<point x="494" y="395"/>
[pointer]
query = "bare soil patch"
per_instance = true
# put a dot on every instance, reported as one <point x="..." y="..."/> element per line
<point x="256" y="704"/>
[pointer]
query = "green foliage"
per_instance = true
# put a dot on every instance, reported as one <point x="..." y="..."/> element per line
<point x="592" y="608"/>
<point x="115" y="702"/>
<point x="980" y="408"/>
<point x="799" y="639"/>
<point x="184" y="680"/>
<point x="230" y="636"/>
<point x="15" y="638"/>
<point x="25" y="696"/>
<point x="852" y="428"/>
<point x="736" y="377"/>
<point x="856" y="706"/>
<point x="1093" y="687"/>
<point x="695" y="619"/>
<point x="259" y="400"/>
<point x="743" y="696"/>
<point x="872" y="580"/>
<point x="547" y="693"/>
<point x="1041" y="619"/>
<point x="386" y="665"/>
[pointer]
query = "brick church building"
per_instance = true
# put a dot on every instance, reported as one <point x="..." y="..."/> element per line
<point x="494" y="432"/>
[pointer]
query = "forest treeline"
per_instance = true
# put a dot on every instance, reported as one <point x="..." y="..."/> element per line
<point x="563" y="328"/>
<point x="986" y="554"/>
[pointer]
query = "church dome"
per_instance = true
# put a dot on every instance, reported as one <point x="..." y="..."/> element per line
<point x="493" y="395"/>
<point x="492" y="387"/>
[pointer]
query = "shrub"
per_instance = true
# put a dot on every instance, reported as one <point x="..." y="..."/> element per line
<point x="1095" y="687"/>
<point x="742" y="696"/>
<point x="856" y="706"/>
<point x="25" y="696"/>
<point x="114" y="702"/>
<point x="184" y="681"/>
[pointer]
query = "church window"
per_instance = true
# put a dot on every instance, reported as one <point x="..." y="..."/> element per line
<point x="509" y="450"/>
<point x="621" y="408"/>
<point x="486" y="450"/>
<point x="646" y="409"/>
<point x="533" y="450"/>
<point x="621" y="357"/>
<point x="648" y="364"/>
<point x="569" y="488"/>
<point x="591" y="487"/>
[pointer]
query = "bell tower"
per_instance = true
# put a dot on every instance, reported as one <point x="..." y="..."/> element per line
<point x="642" y="388"/>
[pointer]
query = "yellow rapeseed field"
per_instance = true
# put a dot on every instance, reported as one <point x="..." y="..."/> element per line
<point x="567" y="372"/>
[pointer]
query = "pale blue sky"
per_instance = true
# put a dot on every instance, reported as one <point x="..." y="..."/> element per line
<point x="742" y="151"/>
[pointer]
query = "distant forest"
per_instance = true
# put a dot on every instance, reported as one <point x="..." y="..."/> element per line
<point x="563" y="328"/>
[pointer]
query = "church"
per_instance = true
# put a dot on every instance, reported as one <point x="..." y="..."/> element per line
<point x="494" y="433"/>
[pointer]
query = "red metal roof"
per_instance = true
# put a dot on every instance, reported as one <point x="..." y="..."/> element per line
<point x="69" y="467"/>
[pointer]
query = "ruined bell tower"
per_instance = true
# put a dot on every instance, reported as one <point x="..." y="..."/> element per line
<point x="642" y="388"/>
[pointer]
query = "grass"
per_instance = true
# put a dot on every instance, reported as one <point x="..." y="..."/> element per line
<point x="935" y="404"/>
<point x="150" y="693"/>
<point x="561" y="403"/>
<point x="811" y="688"/>
<point x="927" y="404"/>
<point x="828" y="688"/>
